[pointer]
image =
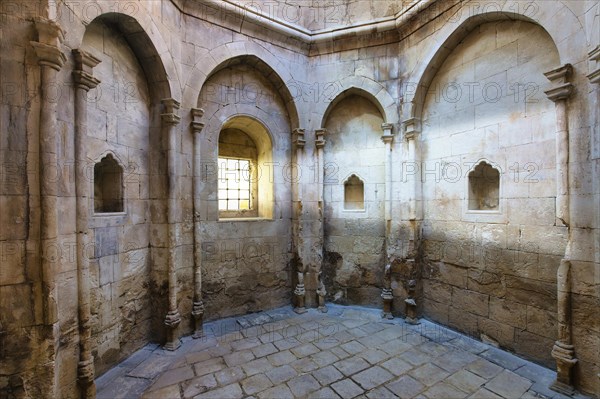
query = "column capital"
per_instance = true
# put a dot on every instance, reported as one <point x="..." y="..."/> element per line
<point x="594" y="55"/>
<point x="388" y="136"/>
<point x="170" y="116"/>
<point x="84" y="61"/>
<point x="83" y="74"/>
<point x="197" y="114"/>
<point x="560" y="78"/>
<point x="320" y="138"/>
<point x="49" y="55"/>
<point x="47" y="47"/>
<point x="412" y="127"/>
<point x="298" y="138"/>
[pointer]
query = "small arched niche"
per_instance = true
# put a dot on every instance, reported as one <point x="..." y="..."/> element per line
<point x="484" y="188"/>
<point x="108" y="186"/>
<point x="354" y="194"/>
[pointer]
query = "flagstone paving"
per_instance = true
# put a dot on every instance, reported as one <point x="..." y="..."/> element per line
<point x="348" y="352"/>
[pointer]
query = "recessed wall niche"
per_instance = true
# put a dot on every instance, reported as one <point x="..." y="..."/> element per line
<point x="354" y="194"/>
<point x="108" y="186"/>
<point x="484" y="188"/>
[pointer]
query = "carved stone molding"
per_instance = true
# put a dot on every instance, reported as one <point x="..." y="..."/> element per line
<point x="388" y="136"/>
<point x="298" y="138"/>
<point x="412" y="127"/>
<point x="560" y="77"/>
<point x="320" y="137"/>
<point x="197" y="114"/>
<point x="594" y="55"/>
<point x="170" y="116"/>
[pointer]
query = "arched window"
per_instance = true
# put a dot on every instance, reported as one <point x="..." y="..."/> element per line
<point x="354" y="193"/>
<point x="484" y="188"/>
<point x="244" y="148"/>
<point x="108" y="186"/>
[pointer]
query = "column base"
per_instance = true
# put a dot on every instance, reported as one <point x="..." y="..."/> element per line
<point x="565" y="360"/>
<point x="563" y="388"/>
<point x="85" y="379"/>
<point x="198" y="314"/>
<point x="387" y="304"/>
<point x="412" y="320"/>
<point x="299" y="292"/>
<point x="172" y="320"/>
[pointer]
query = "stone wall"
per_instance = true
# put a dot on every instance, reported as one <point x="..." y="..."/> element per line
<point x="354" y="238"/>
<point x="494" y="280"/>
<point x="246" y="264"/>
<point x="458" y="84"/>
<point x="119" y="123"/>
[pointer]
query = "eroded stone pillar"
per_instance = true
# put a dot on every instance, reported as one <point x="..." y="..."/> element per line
<point x="559" y="94"/>
<point x="299" y="142"/>
<point x="563" y="350"/>
<point x="386" y="294"/>
<point x="198" y="306"/>
<point x="170" y="121"/>
<point x="51" y="59"/>
<point x="84" y="82"/>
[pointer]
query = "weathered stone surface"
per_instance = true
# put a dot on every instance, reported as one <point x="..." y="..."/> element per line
<point x="356" y="69"/>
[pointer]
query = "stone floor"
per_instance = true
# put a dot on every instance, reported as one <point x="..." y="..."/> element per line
<point x="348" y="352"/>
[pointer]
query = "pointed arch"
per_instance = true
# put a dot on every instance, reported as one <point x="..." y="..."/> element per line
<point x="449" y="37"/>
<point x="251" y="54"/>
<point x="369" y="89"/>
<point x="150" y="49"/>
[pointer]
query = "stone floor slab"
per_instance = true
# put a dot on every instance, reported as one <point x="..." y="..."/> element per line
<point x="508" y="384"/>
<point x="347" y="388"/>
<point x="354" y="353"/>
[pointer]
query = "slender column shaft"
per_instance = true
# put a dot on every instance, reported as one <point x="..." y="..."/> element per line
<point x="563" y="351"/>
<point x="320" y="144"/>
<point x="172" y="319"/>
<point x="51" y="59"/>
<point x="84" y="81"/>
<point x="559" y="94"/>
<point x="388" y="139"/>
<point x="198" y="306"/>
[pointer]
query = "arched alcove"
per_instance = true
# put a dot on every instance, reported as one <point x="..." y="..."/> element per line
<point x="484" y="188"/>
<point x="108" y="186"/>
<point x="353" y="197"/>
<point x="354" y="193"/>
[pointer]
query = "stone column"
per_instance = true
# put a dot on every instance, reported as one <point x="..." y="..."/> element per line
<point x="559" y="94"/>
<point x="386" y="294"/>
<point x="51" y="59"/>
<point x="198" y="307"/>
<point x="563" y="350"/>
<point x="299" y="292"/>
<point x="411" y="131"/>
<point x="320" y="144"/>
<point x="170" y="121"/>
<point x="84" y="82"/>
<point x="388" y="139"/>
